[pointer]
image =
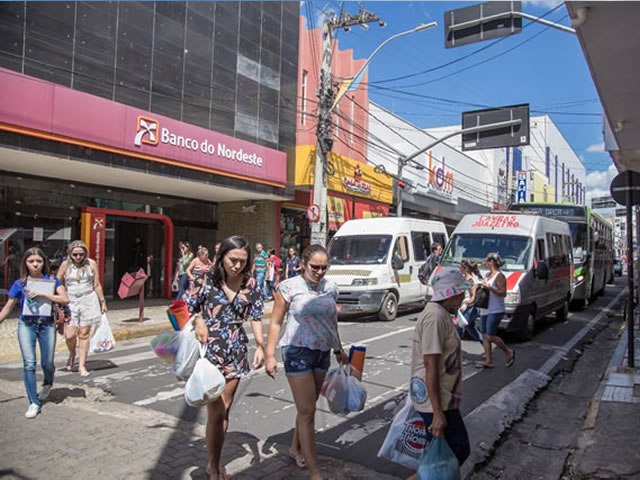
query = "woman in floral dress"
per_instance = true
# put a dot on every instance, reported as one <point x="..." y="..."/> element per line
<point x="196" y="273"/>
<point x="226" y="299"/>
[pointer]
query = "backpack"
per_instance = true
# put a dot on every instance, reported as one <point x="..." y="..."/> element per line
<point x="427" y="268"/>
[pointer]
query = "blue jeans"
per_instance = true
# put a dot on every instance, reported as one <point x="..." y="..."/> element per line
<point x="260" y="281"/>
<point x="43" y="330"/>
<point x="183" y="284"/>
<point x="489" y="323"/>
<point x="472" y="314"/>
<point x="302" y="360"/>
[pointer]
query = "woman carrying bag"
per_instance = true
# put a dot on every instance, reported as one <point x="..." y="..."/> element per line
<point x="311" y="332"/>
<point x="181" y="280"/>
<point x="226" y="299"/>
<point x="34" y="328"/>
<point x="87" y="304"/>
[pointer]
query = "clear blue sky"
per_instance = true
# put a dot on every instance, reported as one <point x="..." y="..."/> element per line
<point x="541" y="66"/>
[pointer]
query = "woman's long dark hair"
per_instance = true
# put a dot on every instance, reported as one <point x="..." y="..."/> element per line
<point x="472" y="266"/>
<point x="46" y="267"/>
<point x="231" y="243"/>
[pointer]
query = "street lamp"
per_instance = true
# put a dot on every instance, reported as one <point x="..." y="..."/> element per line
<point x="419" y="28"/>
<point x="323" y="147"/>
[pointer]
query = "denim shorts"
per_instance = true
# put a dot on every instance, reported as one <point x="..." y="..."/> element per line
<point x="489" y="323"/>
<point x="455" y="433"/>
<point x="303" y="360"/>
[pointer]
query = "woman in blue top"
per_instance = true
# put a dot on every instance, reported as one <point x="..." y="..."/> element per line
<point x="34" y="326"/>
<point x="311" y="331"/>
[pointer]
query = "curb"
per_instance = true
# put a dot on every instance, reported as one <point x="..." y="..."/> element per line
<point x="129" y="333"/>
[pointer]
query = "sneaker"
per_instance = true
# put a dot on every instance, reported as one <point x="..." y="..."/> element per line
<point x="44" y="393"/>
<point x="33" y="411"/>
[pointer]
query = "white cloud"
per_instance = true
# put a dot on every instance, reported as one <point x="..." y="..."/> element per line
<point x="542" y="3"/>
<point x="598" y="183"/>
<point x="601" y="179"/>
<point x="596" y="147"/>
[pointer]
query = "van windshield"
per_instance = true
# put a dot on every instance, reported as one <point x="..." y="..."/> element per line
<point x="359" y="249"/>
<point x="514" y="250"/>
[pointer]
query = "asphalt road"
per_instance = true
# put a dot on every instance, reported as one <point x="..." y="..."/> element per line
<point x="264" y="408"/>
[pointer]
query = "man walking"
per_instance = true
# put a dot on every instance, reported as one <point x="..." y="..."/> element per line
<point x="430" y="264"/>
<point x="259" y="270"/>
<point x="436" y="365"/>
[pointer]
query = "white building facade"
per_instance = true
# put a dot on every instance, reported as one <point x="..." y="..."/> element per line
<point x="443" y="183"/>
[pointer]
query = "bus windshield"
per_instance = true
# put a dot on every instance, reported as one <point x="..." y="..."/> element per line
<point x="579" y="239"/>
<point x="359" y="249"/>
<point x="514" y="250"/>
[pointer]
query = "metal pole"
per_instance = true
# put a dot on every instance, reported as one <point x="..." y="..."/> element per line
<point x="319" y="228"/>
<point x="398" y="189"/>
<point x="630" y="296"/>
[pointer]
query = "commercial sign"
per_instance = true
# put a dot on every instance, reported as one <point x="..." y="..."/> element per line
<point x="521" y="179"/>
<point x="46" y="110"/>
<point x="347" y="176"/>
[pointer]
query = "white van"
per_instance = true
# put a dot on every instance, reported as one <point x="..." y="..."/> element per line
<point x="537" y="252"/>
<point x="375" y="262"/>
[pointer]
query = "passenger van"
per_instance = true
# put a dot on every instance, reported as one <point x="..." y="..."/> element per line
<point x="537" y="252"/>
<point x="375" y="262"/>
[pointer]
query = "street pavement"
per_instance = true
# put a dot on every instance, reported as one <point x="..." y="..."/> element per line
<point x="149" y="432"/>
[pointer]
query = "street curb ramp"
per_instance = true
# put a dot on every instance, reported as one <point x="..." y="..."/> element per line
<point x="486" y="424"/>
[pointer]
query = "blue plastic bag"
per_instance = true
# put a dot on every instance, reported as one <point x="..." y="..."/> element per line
<point x="438" y="462"/>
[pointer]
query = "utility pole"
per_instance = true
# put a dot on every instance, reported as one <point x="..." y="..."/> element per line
<point x="326" y="95"/>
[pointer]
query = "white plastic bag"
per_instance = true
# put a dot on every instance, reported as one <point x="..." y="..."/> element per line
<point x="205" y="384"/>
<point x="461" y="320"/>
<point x="188" y="352"/>
<point x="102" y="339"/>
<point x="406" y="438"/>
<point x="357" y="395"/>
<point x="337" y="391"/>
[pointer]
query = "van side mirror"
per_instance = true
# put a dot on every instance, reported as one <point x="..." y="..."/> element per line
<point x="397" y="263"/>
<point x="542" y="272"/>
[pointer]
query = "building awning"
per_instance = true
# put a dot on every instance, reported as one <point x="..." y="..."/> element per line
<point x="610" y="39"/>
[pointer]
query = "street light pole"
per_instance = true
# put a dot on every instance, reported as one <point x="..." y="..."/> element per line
<point x="327" y="105"/>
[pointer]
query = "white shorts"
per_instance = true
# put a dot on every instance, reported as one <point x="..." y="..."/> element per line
<point x="85" y="310"/>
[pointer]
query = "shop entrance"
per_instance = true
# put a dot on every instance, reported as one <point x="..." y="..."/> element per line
<point x="123" y="241"/>
<point x="130" y="245"/>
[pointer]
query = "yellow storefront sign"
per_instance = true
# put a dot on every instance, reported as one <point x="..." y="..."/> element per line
<point x="350" y="177"/>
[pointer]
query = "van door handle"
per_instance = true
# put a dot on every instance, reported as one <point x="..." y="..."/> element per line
<point x="410" y="268"/>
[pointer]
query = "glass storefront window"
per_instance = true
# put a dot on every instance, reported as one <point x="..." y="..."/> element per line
<point x="294" y="230"/>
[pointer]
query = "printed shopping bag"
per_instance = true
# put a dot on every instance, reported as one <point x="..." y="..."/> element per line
<point x="406" y="438"/>
<point x="102" y="339"/>
<point x="205" y="384"/>
<point x="439" y="462"/>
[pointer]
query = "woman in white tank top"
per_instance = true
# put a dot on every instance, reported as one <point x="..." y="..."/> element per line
<point x="496" y="284"/>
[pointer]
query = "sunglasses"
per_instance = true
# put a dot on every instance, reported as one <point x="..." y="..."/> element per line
<point x="319" y="268"/>
<point x="77" y="255"/>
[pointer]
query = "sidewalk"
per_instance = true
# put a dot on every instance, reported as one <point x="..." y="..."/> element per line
<point x="94" y="437"/>
<point x="608" y="444"/>
<point x="123" y="318"/>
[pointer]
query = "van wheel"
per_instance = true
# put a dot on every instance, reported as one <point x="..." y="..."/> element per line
<point x="526" y="333"/>
<point x="389" y="310"/>
<point x="563" y="312"/>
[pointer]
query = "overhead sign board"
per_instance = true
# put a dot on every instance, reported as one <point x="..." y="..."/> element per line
<point x="512" y="136"/>
<point x="477" y="23"/>
<point x="625" y="188"/>
<point x="603" y="202"/>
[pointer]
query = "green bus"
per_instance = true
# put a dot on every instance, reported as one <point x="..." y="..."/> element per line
<point x="592" y="238"/>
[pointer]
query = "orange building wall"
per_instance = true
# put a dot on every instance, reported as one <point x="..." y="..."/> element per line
<point x="343" y="65"/>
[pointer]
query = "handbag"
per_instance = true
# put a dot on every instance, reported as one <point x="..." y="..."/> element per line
<point x="482" y="298"/>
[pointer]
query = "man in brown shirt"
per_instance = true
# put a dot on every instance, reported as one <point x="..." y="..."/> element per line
<point x="436" y="365"/>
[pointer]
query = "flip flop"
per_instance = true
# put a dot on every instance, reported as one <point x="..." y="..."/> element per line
<point x="483" y="365"/>
<point x="512" y="359"/>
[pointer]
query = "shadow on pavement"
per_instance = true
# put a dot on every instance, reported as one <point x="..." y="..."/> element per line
<point x="13" y="475"/>
<point x="59" y="395"/>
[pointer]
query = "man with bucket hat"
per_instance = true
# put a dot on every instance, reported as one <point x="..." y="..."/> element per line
<point x="436" y="364"/>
